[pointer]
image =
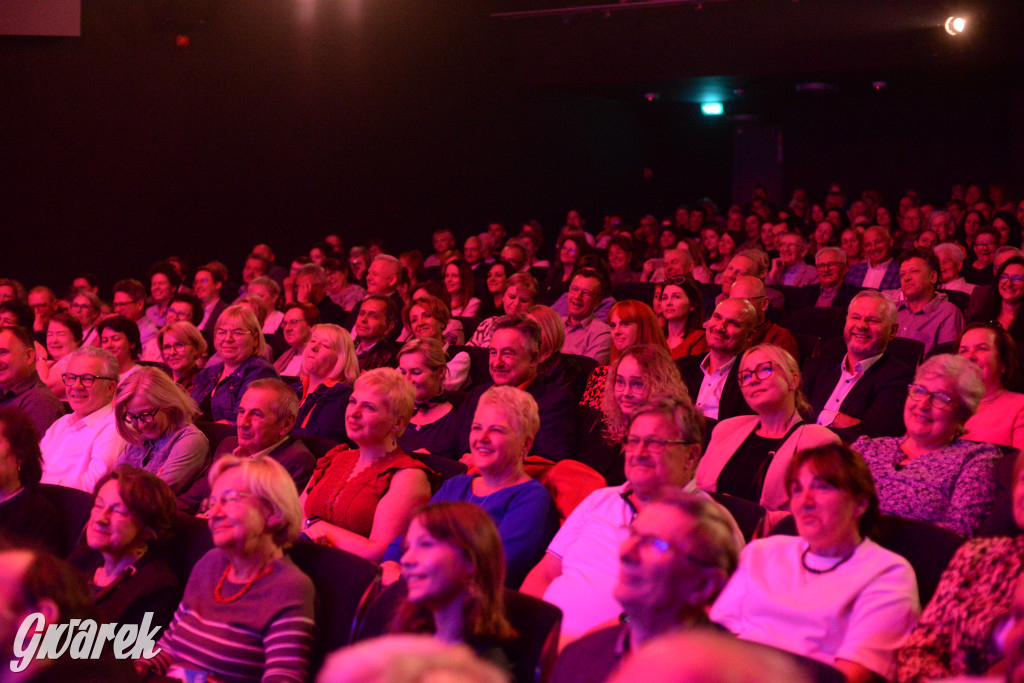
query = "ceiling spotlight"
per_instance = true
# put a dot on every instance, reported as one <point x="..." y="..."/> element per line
<point x="955" y="25"/>
<point x="712" y="108"/>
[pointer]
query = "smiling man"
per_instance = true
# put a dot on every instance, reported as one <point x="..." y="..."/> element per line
<point x="20" y="386"/>
<point x="78" y="449"/>
<point x="585" y="335"/>
<point x="790" y="268"/>
<point x="924" y="314"/>
<point x="581" y="566"/>
<point x="857" y="388"/>
<point x="879" y="269"/>
<point x="375" y="321"/>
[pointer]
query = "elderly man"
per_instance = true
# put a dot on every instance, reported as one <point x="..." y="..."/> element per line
<point x="713" y="377"/>
<point x="765" y="332"/>
<point x="951" y="262"/>
<point x="673" y="263"/>
<point x="377" y="317"/>
<point x="925" y="314"/>
<point x="679" y="554"/>
<point x="206" y="284"/>
<point x="266" y="415"/>
<point x="382" y="278"/>
<point x="130" y="301"/>
<point x="514" y="349"/>
<point x="879" y="269"/>
<point x="515" y="253"/>
<point x="578" y="573"/>
<point x="831" y="289"/>
<point x="78" y="449"/>
<point x="585" y="335"/>
<point x="43" y="303"/>
<point x="752" y="263"/>
<point x="790" y="269"/>
<point x="20" y="386"/>
<point x="311" y="288"/>
<point x="256" y="266"/>
<point x="859" y="388"/>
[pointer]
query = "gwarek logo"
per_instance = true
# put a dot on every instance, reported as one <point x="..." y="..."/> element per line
<point x="82" y="640"/>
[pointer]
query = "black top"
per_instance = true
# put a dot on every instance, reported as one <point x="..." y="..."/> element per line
<point x="743" y="475"/>
<point x="29" y="516"/>
<point x="440" y="437"/>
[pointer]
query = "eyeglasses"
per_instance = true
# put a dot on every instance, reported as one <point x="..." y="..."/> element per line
<point x="80" y="307"/>
<point x="122" y="304"/>
<point x="585" y="293"/>
<point x="661" y="546"/>
<point x="176" y="347"/>
<point x="637" y="386"/>
<point x="87" y="380"/>
<point x="146" y="417"/>
<point x="653" y="444"/>
<point x="1015" y="279"/>
<point x="939" y="399"/>
<point x="761" y="372"/>
<point x="226" y="498"/>
<point x="830" y="264"/>
<point x="235" y="335"/>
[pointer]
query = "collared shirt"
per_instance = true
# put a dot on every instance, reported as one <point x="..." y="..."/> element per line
<point x="710" y="395"/>
<point x="936" y="323"/>
<point x="242" y="453"/>
<point x="876" y="274"/>
<point x="591" y="337"/>
<point x="78" y="451"/>
<point x="207" y="312"/>
<point x="847" y="380"/>
<point x="797" y="275"/>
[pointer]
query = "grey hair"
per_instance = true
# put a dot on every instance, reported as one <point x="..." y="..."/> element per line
<point x="952" y="250"/>
<point x="268" y="282"/>
<point x="108" y="362"/>
<point x="286" y="403"/>
<point x="520" y="408"/>
<point x="713" y="528"/>
<point x="759" y="257"/>
<point x="318" y="273"/>
<point x="888" y="305"/>
<point x="841" y="253"/>
<point x="964" y="374"/>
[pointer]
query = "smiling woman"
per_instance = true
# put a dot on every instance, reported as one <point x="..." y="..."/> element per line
<point x="329" y="368"/>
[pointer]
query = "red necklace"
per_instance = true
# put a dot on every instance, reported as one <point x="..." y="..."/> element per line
<point x="224" y="577"/>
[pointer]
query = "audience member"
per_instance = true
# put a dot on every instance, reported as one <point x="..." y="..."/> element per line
<point x="923" y="313"/>
<point x="682" y="308"/>
<point x="87" y="307"/>
<point x="831" y="289"/>
<point x="585" y="334"/>
<point x="434" y="425"/>
<point x="206" y="285"/>
<point x="790" y="268"/>
<point x="120" y="336"/>
<point x="765" y="332"/>
<point x="311" y="288"/>
<point x="182" y="346"/>
<point x="130" y="302"/>
<point x="951" y="261"/>
<point x="879" y="269"/>
<point x="269" y="292"/>
<point x="43" y="303"/>
<point x="375" y="322"/>
<point x="1000" y="416"/>
<point x="296" y="327"/>
<point x="1003" y="302"/>
<point x="427" y="317"/>
<point x="63" y="337"/>
<point x="26" y="515"/>
<point x="408" y="659"/>
<point x="631" y="323"/>
<point x="519" y="296"/>
<point x="329" y="369"/>
<point x="20" y="384"/>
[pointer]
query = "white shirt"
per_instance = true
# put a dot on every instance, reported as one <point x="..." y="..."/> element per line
<point x="273" y="322"/>
<point x="847" y="381"/>
<point x="710" y="395"/>
<point x="78" y="451"/>
<point x="873" y="278"/>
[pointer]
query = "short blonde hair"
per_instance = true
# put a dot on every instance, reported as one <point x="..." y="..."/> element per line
<point x="552" y="330"/>
<point x="965" y="376"/>
<point x="244" y="316"/>
<point x="397" y="395"/>
<point x="160" y="390"/>
<point x="185" y="332"/>
<point x="346" y="368"/>
<point x="433" y="352"/>
<point x="782" y="358"/>
<point x="518" y="407"/>
<point x="267" y="479"/>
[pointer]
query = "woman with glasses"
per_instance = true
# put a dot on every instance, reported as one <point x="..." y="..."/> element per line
<point x="830" y="593"/>
<point x="931" y="474"/>
<point x="63" y="337"/>
<point x="154" y="415"/>
<point x="247" y="612"/>
<point x="131" y="517"/>
<point x="986" y="241"/>
<point x="239" y="342"/>
<point x="748" y="454"/>
<point x="120" y="336"/>
<point x="632" y="323"/>
<point x="1000" y="416"/>
<point x="181" y="347"/>
<point x="1003" y="303"/>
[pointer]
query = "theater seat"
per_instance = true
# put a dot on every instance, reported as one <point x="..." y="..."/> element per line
<point x="824" y="323"/>
<point x="479" y="366"/>
<point x="317" y="445"/>
<point x="748" y="514"/>
<point x="74" y="506"/>
<point x="216" y="432"/>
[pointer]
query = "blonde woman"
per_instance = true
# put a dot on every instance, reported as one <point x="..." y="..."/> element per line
<point x="329" y="369"/>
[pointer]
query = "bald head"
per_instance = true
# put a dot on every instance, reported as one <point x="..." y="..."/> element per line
<point x="753" y="290"/>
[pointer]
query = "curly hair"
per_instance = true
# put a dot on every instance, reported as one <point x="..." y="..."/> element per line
<point x="661" y="377"/>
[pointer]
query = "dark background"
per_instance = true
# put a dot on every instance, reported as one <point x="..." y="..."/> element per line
<point x="284" y="120"/>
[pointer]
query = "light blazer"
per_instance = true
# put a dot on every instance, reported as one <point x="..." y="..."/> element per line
<point x="730" y="434"/>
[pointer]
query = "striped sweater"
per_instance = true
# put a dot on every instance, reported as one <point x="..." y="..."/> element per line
<point x="267" y="635"/>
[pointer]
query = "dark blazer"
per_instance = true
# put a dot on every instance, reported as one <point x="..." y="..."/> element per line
<point x="323" y="412"/>
<point x="732" y="403"/>
<point x="876" y="399"/>
<point x="211" y="324"/>
<point x="383" y="354"/>
<point x="857" y="272"/>
<point x="559" y="415"/>
<point x="153" y="587"/>
<point x="807" y="296"/>
<point x="331" y="312"/>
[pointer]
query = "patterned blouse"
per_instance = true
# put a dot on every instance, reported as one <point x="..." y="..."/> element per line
<point x="954" y="634"/>
<point x="952" y="487"/>
<point x="593" y="395"/>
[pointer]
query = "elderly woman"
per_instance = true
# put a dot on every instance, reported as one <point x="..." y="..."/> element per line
<point x="682" y="308"/>
<point x="87" y="307"/>
<point x="1000" y="416"/>
<point x="247" y="612"/>
<point x="132" y="513"/>
<point x="426" y="318"/>
<point x="748" y="455"/>
<point x="329" y="369"/>
<point x="830" y="593"/>
<point x="434" y="426"/>
<point x="459" y="283"/>
<point x="1003" y="302"/>
<point x="986" y="241"/>
<point x="951" y="262"/>
<point x="969" y="610"/>
<point x="519" y="296"/>
<point x="504" y="427"/>
<point x="454" y="571"/>
<point x="120" y="336"/>
<point x="63" y="337"/>
<point x="360" y="500"/>
<point x="340" y="289"/>
<point x="931" y="474"/>
<point x="182" y="346"/>
<point x="632" y="323"/>
<point x="154" y="415"/>
<point x="25" y="513"/>
<point x="219" y="386"/>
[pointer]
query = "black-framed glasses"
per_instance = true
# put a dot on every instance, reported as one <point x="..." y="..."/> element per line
<point x="146" y="417"/>
<point x="87" y="380"/>
<point x="176" y="347"/>
<point x="226" y="498"/>
<point x="653" y="444"/>
<point x="939" y="399"/>
<point x="636" y="384"/>
<point x="1015" y="279"/>
<point x="761" y="372"/>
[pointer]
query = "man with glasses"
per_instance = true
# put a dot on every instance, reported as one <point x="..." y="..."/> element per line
<point x="20" y="385"/>
<point x="585" y="335"/>
<point x="130" y="301"/>
<point x="831" y="289"/>
<point x="296" y="327"/>
<point x="925" y="314"/>
<point x="579" y="570"/>
<point x="857" y="387"/>
<point x="678" y="555"/>
<point x="80" y="448"/>
<point x="790" y="269"/>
